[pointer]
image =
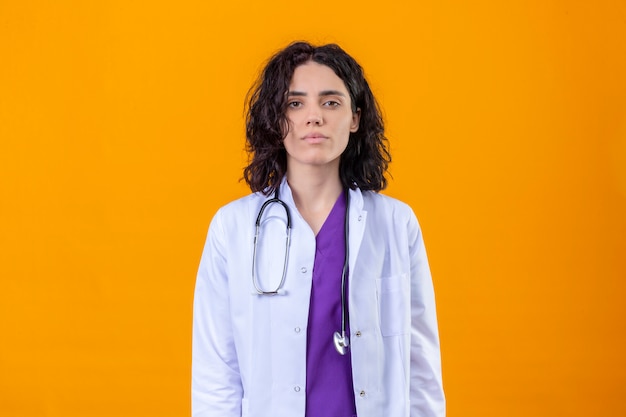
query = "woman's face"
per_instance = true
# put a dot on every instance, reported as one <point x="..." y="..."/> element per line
<point x="320" y="117"/>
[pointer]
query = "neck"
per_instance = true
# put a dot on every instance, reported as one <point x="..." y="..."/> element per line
<point x="314" y="193"/>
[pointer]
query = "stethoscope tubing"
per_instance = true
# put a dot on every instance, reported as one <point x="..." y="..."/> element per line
<point x="340" y="339"/>
<point x="344" y="341"/>
<point x="257" y="287"/>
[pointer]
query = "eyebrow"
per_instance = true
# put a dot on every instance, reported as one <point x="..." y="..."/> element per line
<point x="321" y="94"/>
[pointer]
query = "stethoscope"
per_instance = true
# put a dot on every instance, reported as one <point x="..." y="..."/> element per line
<point x="340" y="339"/>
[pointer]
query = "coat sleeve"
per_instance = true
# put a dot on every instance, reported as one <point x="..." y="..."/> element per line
<point x="216" y="389"/>
<point x="426" y="389"/>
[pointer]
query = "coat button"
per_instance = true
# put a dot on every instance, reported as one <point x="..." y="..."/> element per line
<point x="360" y="217"/>
<point x="358" y="333"/>
<point x="297" y="330"/>
<point x="303" y="270"/>
<point x="362" y="393"/>
<point x="296" y="388"/>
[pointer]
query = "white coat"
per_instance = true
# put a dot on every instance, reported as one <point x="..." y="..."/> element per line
<point x="249" y="351"/>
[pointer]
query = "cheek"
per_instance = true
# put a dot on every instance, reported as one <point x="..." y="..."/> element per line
<point x="348" y="126"/>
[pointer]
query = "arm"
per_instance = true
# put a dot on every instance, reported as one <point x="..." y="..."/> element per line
<point x="426" y="389"/>
<point x="216" y="389"/>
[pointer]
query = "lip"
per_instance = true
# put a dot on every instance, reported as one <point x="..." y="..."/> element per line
<point x="314" y="137"/>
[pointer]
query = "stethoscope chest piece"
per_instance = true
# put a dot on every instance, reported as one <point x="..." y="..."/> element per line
<point x="341" y="343"/>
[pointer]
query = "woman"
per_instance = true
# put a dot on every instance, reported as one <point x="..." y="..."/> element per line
<point x="320" y="302"/>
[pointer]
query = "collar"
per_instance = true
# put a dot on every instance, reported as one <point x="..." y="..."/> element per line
<point x="285" y="194"/>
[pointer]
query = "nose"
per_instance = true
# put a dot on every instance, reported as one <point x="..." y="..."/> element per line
<point x="314" y="118"/>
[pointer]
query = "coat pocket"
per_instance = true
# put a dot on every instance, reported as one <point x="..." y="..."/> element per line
<point x="394" y="302"/>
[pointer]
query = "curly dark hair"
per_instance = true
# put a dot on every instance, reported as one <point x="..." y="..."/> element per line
<point x="365" y="160"/>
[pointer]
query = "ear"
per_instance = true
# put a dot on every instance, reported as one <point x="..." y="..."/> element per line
<point x="356" y="118"/>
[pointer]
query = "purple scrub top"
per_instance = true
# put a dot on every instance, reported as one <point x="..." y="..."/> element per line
<point x="329" y="390"/>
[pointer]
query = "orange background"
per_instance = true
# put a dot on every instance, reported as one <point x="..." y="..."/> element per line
<point x="121" y="132"/>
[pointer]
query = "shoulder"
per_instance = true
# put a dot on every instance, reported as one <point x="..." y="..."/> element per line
<point x="392" y="215"/>
<point x="239" y="204"/>
<point x="237" y="212"/>
<point x="246" y="203"/>
<point x="383" y="205"/>
<point x="396" y="216"/>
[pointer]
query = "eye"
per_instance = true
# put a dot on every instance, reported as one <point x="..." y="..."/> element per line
<point x="294" y="104"/>
<point x="332" y="103"/>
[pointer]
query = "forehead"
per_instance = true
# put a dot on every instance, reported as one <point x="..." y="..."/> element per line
<point x="312" y="76"/>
